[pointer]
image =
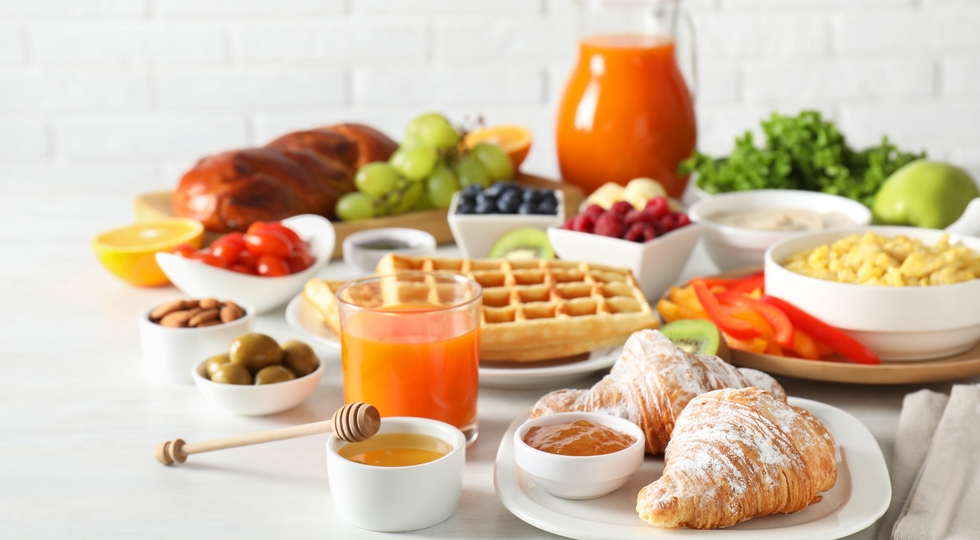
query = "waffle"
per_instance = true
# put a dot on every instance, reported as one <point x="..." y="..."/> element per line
<point x="532" y="310"/>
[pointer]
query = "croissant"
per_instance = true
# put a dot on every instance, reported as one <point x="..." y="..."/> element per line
<point x="739" y="454"/>
<point x="651" y="383"/>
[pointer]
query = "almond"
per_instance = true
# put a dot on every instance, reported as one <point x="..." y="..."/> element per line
<point x="209" y="303"/>
<point x="215" y="322"/>
<point x="176" y="319"/>
<point x="160" y="311"/>
<point x="204" y="316"/>
<point x="231" y="312"/>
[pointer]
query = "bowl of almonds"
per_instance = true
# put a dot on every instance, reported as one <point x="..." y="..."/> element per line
<point x="177" y="334"/>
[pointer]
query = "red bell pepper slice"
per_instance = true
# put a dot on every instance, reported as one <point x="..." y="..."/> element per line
<point x="727" y="282"/>
<point x="730" y="325"/>
<point x="844" y="344"/>
<point x="749" y="284"/>
<point x="773" y="315"/>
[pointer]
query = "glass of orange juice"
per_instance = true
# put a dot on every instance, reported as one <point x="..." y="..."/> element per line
<point x="410" y="345"/>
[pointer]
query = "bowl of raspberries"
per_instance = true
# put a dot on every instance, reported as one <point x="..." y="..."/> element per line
<point x="654" y="242"/>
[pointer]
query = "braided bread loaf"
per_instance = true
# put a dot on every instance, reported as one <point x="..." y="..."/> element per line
<point x="304" y="172"/>
<point x="651" y="383"/>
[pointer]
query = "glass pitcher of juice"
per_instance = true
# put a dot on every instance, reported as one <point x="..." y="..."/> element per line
<point x="626" y="111"/>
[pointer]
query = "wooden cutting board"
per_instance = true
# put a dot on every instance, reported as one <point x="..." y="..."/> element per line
<point x="156" y="205"/>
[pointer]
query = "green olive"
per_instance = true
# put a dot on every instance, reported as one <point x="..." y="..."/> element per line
<point x="255" y="351"/>
<point x="299" y="357"/>
<point x="230" y="373"/>
<point x="274" y="374"/>
<point x="212" y="364"/>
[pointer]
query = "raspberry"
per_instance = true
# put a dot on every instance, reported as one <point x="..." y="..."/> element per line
<point x="640" y="216"/>
<point x="583" y="223"/>
<point x="668" y="222"/>
<point x="621" y="207"/>
<point x="568" y="224"/>
<point x="658" y="206"/>
<point x="594" y="210"/>
<point x="610" y="224"/>
<point x="682" y="219"/>
<point x="637" y="232"/>
<point x="649" y="234"/>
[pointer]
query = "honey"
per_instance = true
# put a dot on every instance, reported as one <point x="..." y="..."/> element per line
<point x="396" y="450"/>
<point x="578" y="438"/>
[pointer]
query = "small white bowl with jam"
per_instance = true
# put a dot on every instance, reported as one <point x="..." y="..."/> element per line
<point x="579" y="455"/>
<point x="363" y="249"/>
<point x="407" y="477"/>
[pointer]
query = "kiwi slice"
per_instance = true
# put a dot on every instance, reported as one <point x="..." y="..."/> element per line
<point x="523" y="244"/>
<point x="697" y="336"/>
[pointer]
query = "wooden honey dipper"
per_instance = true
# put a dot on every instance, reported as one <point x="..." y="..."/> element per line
<point x="353" y="422"/>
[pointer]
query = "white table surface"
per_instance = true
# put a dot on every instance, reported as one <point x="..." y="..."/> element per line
<point x="78" y="421"/>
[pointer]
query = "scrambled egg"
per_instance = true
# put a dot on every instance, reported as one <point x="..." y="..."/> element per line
<point x="896" y="262"/>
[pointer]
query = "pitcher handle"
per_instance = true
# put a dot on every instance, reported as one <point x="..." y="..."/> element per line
<point x="689" y="22"/>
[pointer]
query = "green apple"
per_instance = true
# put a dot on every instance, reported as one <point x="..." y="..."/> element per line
<point x="924" y="194"/>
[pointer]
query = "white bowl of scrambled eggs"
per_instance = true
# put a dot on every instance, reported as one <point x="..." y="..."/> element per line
<point x="905" y="292"/>
<point x="740" y="226"/>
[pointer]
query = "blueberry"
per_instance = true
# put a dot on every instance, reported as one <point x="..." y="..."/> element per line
<point x="548" y="206"/>
<point x="549" y="195"/>
<point x="516" y="191"/>
<point x="467" y="198"/>
<point x="531" y="195"/>
<point x="473" y="189"/>
<point x="466" y="208"/>
<point x="498" y="188"/>
<point x="527" y="208"/>
<point x="485" y="197"/>
<point x="508" y="205"/>
<point x="485" y="207"/>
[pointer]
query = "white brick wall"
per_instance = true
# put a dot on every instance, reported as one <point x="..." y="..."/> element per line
<point x="136" y="90"/>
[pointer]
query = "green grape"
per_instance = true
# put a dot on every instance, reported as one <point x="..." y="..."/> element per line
<point x="494" y="159"/>
<point x="354" y="206"/>
<point x="376" y="178"/>
<point x="423" y="203"/>
<point x="442" y="184"/>
<point x="470" y="171"/>
<point x="435" y="130"/>
<point x="412" y="128"/>
<point x="415" y="162"/>
<point x="409" y="193"/>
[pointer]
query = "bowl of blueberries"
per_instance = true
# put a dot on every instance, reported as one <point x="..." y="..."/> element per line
<point x="505" y="220"/>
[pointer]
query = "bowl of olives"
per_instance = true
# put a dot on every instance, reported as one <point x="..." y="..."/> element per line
<point x="259" y="376"/>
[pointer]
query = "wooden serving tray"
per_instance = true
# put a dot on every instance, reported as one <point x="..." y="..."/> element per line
<point x="156" y="205"/>
<point x="839" y="369"/>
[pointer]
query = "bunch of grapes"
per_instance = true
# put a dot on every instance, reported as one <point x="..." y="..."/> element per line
<point x="429" y="166"/>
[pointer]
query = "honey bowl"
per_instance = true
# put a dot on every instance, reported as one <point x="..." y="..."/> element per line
<point x="580" y="476"/>
<point x="409" y="476"/>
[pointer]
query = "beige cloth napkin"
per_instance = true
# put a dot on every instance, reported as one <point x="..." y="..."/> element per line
<point x="936" y="470"/>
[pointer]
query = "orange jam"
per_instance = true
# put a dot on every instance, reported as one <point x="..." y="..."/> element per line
<point x="578" y="438"/>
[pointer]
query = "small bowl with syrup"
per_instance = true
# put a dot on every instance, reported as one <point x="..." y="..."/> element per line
<point x="363" y="250"/>
<point x="407" y="477"/>
<point x="579" y="455"/>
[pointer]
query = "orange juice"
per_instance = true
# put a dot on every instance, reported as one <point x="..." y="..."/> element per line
<point x="626" y="113"/>
<point x="413" y="360"/>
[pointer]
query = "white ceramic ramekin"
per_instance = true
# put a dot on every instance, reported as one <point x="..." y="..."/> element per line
<point x="897" y="323"/>
<point x="732" y="247"/>
<point x="366" y="260"/>
<point x="475" y="234"/>
<point x="579" y="477"/>
<point x="256" y="399"/>
<point x="396" y="499"/>
<point x="171" y="353"/>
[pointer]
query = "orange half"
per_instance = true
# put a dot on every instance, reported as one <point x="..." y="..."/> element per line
<point x="513" y="139"/>
<point x="130" y="252"/>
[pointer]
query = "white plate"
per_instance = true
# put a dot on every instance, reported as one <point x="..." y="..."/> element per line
<point x="302" y="317"/>
<point x="860" y="497"/>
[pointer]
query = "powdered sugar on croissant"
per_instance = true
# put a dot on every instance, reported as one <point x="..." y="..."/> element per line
<point x="651" y="383"/>
<point x="739" y="454"/>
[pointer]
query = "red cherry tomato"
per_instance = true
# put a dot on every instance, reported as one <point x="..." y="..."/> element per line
<point x="285" y="231"/>
<point x="209" y="259"/>
<point x="271" y="266"/>
<point x="300" y="260"/>
<point x="236" y="239"/>
<point x="255" y="227"/>
<point x="184" y="250"/>
<point x="268" y="242"/>
<point x="247" y="258"/>
<point x="241" y="269"/>
<point x="226" y="252"/>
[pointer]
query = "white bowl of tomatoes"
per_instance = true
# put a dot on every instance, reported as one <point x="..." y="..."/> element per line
<point x="263" y="268"/>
